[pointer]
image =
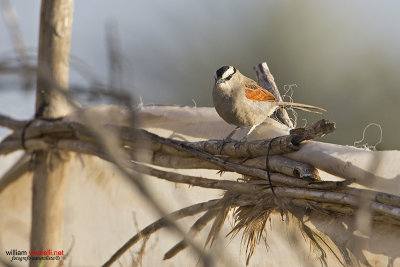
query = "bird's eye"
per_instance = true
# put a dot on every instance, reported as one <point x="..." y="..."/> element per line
<point x="229" y="77"/>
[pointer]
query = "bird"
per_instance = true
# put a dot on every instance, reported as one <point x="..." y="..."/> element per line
<point x="240" y="101"/>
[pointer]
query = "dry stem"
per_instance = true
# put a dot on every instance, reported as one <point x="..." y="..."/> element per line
<point x="185" y="212"/>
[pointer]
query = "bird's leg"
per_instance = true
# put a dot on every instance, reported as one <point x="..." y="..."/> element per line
<point x="227" y="139"/>
<point x="244" y="139"/>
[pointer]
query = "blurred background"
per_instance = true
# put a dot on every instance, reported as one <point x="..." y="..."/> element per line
<point x="341" y="55"/>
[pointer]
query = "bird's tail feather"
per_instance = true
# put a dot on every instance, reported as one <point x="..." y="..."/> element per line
<point x="303" y="107"/>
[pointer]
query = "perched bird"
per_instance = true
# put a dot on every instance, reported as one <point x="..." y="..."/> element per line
<point x="240" y="101"/>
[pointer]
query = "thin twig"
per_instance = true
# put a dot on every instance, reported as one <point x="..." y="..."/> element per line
<point x="194" y="230"/>
<point x="11" y="123"/>
<point x="150" y="229"/>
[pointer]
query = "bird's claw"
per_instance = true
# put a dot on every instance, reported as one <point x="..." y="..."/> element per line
<point x="221" y="172"/>
<point x="221" y="145"/>
<point x="237" y="145"/>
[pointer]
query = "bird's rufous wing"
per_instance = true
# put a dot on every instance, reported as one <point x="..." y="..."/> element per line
<point x="255" y="92"/>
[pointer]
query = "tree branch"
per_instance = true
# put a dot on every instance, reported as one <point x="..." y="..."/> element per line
<point x="49" y="179"/>
<point x="185" y="212"/>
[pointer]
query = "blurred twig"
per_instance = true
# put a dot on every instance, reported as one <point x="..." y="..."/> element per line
<point x="11" y="20"/>
<point x="21" y="167"/>
<point x="114" y="56"/>
<point x="185" y="212"/>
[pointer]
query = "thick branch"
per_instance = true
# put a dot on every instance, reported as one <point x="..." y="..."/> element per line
<point x="157" y="153"/>
<point x="230" y="166"/>
<point x="133" y="137"/>
<point x="280" y="145"/>
<point x="49" y="180"/>
<point x="84" y="147"/>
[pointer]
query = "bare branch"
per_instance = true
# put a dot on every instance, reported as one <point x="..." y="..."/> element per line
<point x="194" y="230"/>
<point x="185" y="212"/>
<point x="49" y="180"/>
<point x="318" y="129"/>
<point x="348" y="196"/>
<point x="12" y="22"/>
<point x="8" y="145"/>
<point x="10" y="123"/>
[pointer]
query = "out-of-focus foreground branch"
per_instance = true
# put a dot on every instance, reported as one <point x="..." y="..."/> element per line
<point x="49" y="179"/>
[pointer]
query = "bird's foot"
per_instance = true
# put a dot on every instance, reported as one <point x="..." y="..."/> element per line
<point x="238" y="144"/>
<point x="221" y="145"/>
<point x="220" y="172"/>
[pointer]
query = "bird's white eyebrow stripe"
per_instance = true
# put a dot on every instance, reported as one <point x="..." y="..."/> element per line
<point x="231" y="70"/>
